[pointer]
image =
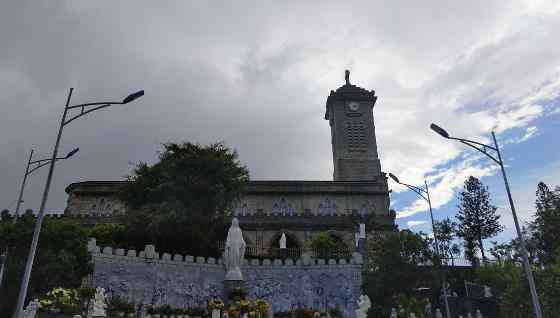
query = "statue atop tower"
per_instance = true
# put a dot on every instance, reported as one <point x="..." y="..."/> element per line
<point x="349" y="111"/>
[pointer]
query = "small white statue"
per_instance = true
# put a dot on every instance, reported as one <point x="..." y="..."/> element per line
<point x="393" y="313"/>
<point x="363" y="306"/>
<point x="362" y="233"/>
<point x="438" y="313"/>
<point x="234" y="252"/>
<point x="99" y="303"/>
<point x="487" y="292"/>
<point x="478" y="314"/>
<point x="469" y="315"/>
<point x="31" y="310"/>
<point x="428" y="310"/>
<point x="283" y="241"/>
<point x="150" y="251"/>
<point x="412" y="315"/>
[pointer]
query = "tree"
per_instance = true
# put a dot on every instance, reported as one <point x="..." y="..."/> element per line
<point x="542" y="245"/>
<point x="546" y="226"/>
<point x="327" y="245"/>
<point x="445" y="230"/>
<point x="391" y="268"/>
<point x="477" y="218"/>
<point x="62" y="258"/>
<point x="502" y="251"/>
<point x="180" y="203"/>
<point x="512" y="292"/>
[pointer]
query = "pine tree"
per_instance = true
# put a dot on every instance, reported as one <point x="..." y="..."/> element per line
<point x="445" y="230"/>
<point x="547" y="223"/>
<point x="477" y="218"/>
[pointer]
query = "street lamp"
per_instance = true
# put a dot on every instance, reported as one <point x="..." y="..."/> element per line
<point x="28" y="170"/>
<point x="424" y="193"/>
<point x="485" y="150"/>
<point x="84" y="109"/>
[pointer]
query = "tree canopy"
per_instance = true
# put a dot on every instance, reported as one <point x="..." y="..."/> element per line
<point x="477" y="218"/>
<point x="546" y="227"/>
<point x="180" y="202"/>
<point x="391" y="269"/>
<point x="62" y="258"/>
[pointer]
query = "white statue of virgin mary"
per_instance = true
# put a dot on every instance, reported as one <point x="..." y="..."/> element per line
<point x="234" y="252"/>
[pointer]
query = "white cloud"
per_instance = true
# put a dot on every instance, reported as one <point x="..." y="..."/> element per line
<point x="443" y="190"/>
<point x="257" y="76"/>
<point x="530" y="132"/>
<point x="415" y="223"/>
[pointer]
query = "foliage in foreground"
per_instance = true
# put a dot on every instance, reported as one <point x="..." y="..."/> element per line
<point x="62" y="258"/>
<point x="510" y="286"/>
<point x="391" y="269"/>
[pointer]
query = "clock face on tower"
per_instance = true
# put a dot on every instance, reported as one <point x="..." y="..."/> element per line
<point x="352" y="109"/>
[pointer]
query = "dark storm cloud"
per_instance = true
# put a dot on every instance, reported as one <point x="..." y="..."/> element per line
<point x="253" y="74"/>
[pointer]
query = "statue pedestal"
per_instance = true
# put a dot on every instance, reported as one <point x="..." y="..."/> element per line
<point x="230" y="285"/>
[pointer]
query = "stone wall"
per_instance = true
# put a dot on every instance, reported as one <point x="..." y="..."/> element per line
<point x="187" y="281"/>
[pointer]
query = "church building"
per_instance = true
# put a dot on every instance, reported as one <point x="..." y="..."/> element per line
<point x="298" y="209"/>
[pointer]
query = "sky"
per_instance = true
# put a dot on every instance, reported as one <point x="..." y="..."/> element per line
<point x="256" y="76"/>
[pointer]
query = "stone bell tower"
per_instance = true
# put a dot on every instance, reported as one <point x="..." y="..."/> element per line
<point x="354" y="147"/>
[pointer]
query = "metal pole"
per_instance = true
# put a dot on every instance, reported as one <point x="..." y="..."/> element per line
<point x="524" y="254"/>
<point x="16" y="214"/>
<point x="443" y="279"/>
<point x="3" y="259"/>
<point x="40" y="216"/>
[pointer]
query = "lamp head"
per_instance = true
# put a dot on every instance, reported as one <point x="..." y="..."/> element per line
<point x="133" y="96"/>
<point x="394" y="177"/>
<point x="440" y="131"/>
<point x="71" y="153"/>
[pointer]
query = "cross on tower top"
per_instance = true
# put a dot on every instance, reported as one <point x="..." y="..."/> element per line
<point x="347" y="77"/>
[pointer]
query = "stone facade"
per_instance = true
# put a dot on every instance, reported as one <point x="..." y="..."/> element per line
<point x="269" y="208"/>
<point x="186" y="281"/>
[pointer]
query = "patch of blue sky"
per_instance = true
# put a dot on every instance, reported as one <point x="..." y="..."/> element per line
<point x="524" y="162"/>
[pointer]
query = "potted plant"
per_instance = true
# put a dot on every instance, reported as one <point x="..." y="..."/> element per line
<point x="60" y="302"/>
<point x="215" y="306"/>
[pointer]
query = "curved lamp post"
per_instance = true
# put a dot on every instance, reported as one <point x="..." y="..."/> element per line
<point x="424" y="193"/>
<point x="28" y="170"/>
<point x="84" y="109"/>
<point x="485" y="150"/>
